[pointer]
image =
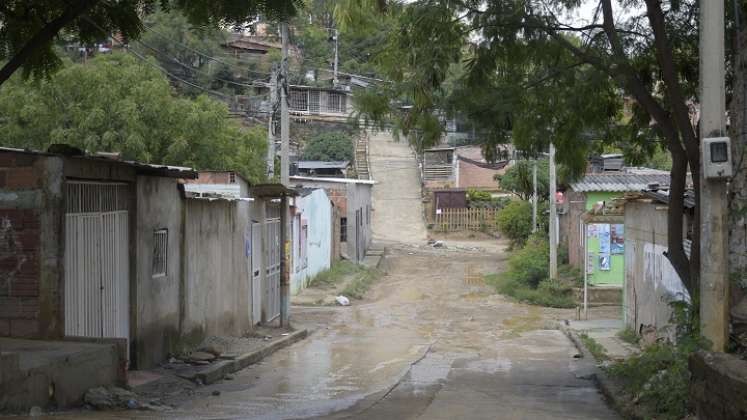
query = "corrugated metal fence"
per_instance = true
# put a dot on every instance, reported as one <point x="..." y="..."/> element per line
<point x="449" y="220"/>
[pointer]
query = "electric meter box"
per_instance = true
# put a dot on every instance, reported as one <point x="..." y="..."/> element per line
<point x="717" y="158"/>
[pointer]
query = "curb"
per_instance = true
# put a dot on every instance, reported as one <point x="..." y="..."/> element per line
<point x="613" y="393"/>
<point x="219" y="370"/>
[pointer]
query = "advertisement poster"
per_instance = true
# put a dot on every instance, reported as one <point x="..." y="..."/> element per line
<point x="617" y="239"/>
<point x="591" y="231"/>
<point x="604" y="262"/>
<point x="604" y="239"/>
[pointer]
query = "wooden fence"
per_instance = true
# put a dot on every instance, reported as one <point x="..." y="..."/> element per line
<point x="450" y="220"/>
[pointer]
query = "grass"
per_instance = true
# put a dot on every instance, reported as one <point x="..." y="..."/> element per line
<point x="335" y="274"/>
<point x="549" y="293"/>
<point x="596" y="349"/>
<point x="361" y="283"/>
<point x="628" y="335"/>
<point x="362" y="278"/>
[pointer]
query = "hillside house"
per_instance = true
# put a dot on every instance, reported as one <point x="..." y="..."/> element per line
<point x="313" y="236"/>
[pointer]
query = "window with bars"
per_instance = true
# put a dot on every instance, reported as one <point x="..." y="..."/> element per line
<point x="343" y="229"/>
<point x="299" y="100"/>
<point x="160" y="252"/>
<point x="232" y="177"/>
<point x="336" y="102"/>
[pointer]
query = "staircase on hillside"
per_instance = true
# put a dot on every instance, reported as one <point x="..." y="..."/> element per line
<point x="361" y="156"/>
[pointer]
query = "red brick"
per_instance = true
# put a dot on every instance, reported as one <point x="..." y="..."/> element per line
<point x="28" y="328"/>
<point x="4" y="327"/>
<point x="7" y="159"/>
<point x="24" y="178"/>
<point x="28" y="239"/>
<point x="12" y="307"/>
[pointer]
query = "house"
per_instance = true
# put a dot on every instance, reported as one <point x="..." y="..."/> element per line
<point x="313" y="236"/>
<point x="651" y="283"/>
<point x="91" y="250"/>
<point x="460" y="167"/>
<point x="588" y="202"/>
<point x="102" y="248"/>
<point x="333" y="169"/>
<point x="474" y="172"/>
<point x="353" y="200"/>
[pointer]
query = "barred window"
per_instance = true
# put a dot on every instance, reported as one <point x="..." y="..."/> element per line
<point x="160" y="252"/>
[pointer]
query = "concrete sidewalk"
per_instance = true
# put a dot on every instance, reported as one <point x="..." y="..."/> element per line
<point x="605" y="333"/>
<point x="236" y="353"/>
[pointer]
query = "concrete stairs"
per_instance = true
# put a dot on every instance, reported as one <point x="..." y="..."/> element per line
<point x="361" y="156"/>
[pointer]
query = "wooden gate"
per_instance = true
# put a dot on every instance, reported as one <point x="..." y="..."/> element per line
<point x="97" y="260"/>
<point x="271" y="300"/>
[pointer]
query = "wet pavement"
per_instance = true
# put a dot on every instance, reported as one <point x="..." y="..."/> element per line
<point x="431" y="341"/>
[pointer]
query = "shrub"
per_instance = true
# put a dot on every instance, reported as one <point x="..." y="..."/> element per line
<point x="515" y="221"/>
<point x="530" y="265"/>
<point x="526" y="278"/>
<point x="659" y="378"/>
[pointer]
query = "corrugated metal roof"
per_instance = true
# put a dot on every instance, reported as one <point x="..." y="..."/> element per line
<point x="140" y="167"/>
<point x="620" y="182"/>
<point x="320" y="164"/>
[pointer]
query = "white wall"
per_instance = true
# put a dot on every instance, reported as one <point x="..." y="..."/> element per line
<point x="316" y="210"/>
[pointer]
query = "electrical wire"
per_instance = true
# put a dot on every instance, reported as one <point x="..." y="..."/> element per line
<point x="209" y="57"/>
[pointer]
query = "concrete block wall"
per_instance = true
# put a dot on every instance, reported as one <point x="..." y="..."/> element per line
<point x="718" y="386"/>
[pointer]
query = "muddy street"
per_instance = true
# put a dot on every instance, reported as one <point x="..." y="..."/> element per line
<point x="431" y="341"/>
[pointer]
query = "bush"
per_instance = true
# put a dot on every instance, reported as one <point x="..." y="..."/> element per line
<point x="515" y="221"/>
<point x="330" y="146"/>
<point x="526" y="278"/>
<point x="531" y="264"/>
<point x="659" y="378"/>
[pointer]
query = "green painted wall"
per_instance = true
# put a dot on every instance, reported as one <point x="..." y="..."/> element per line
<point x="616" y="273"/>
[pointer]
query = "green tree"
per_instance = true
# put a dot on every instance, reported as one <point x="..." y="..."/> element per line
<point x="118" y="103"/>
<point x="28" y="28"/>
<point x="518" y="178"/>
<point x="331" y="146"/>
<point x="545" y="78"/>
<point x="515" y="221"/>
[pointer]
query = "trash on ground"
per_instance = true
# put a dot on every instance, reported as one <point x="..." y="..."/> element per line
<point x="342" y="300"/>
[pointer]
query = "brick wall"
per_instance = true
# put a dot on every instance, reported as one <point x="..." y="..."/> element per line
<point x="473" y="176"/>
<point x="20" y="245"/>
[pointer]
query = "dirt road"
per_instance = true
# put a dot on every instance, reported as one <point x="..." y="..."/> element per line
<point x="398" y="208"/>
<point x="431" y="341"/>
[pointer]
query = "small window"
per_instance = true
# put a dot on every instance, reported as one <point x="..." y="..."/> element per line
<point x="719" y="152"/>
<point x="160" y="252"/>
<point x="343" y="229"/>
<point x="232" y="177"/>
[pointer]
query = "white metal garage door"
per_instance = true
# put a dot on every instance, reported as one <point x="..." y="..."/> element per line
<point x="96" y="260"/>
<point x="272" y="278"/>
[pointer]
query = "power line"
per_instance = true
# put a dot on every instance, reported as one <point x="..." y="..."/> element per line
<point x="209" y="57"/>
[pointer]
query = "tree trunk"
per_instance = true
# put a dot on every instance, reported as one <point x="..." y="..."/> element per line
<point x="738" y="185"/>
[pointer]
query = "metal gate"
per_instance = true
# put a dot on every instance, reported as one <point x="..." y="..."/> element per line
<point x="97" y="260"/>
<point x="272" y="277"/>
<point x="256" y="276"/>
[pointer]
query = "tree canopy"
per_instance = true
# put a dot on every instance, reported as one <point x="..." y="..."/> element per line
<point x="330" y="146"/>
<point x="28" y="28"/>
<point x="626" y="75"/>
<point x="117" y="103"/>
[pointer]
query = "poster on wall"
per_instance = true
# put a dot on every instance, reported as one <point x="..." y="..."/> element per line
<point x="617" y="239"/>
<point x="604" y="239"/>
<point x="591" y="231"/>
<point x="604" y="262"/>
<point x="590" y="263"/>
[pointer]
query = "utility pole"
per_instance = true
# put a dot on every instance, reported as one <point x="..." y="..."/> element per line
<point x="285" y="257"/>
<point x="553" y="219"/>
<point x="534" y="196"/>
<point x="334" y="79"/>
<point x="714" y="251"/>
<point x="270" y="128"/>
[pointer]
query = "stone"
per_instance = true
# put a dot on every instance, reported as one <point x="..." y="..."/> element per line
<point x="201" y="356"/>
<point x="213" y="349"/>
<point x="102" y="398"/>
<point x="216" y="393"/>
<point x="35" y="411"/>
